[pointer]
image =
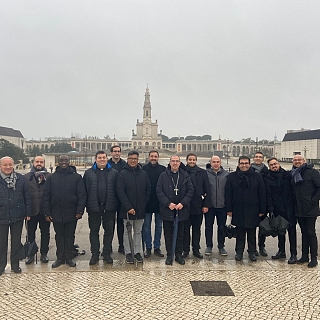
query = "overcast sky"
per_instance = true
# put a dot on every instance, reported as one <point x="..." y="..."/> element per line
<point x="235" y="68"/>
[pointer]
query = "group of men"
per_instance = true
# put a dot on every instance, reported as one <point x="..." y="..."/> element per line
<point x="125" y="193"/>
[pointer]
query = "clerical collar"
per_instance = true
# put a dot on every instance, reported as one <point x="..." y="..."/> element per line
<point x="175" y="171"/>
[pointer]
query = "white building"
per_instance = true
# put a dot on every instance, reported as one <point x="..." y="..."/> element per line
<point x="13" y="136"/>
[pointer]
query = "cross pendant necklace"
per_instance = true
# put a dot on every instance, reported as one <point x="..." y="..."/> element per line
<point x="175" y="185"/>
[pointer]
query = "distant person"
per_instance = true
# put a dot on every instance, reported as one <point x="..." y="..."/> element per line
<point x="199" y="205"/>
<point x="280" y="202"/>
<point x="118" y="164"/>
<point x="64" y="199"/>
<point x="100" y="183"/>
<point x="245" y="203"/>
<point x="15" y="207"/>
<point x="153" y="169"/>
<point x="174" y="191"/>
<point x="36" y="180"/>
<point x="217" y="180"/>
<point x="306" y="188"/>
<point x="133" y="189"/>
<point x="260" y="167"/>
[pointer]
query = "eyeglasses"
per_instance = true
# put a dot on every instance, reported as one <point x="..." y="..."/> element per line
<point x="133" y="159"/>
<point x="244" y="163"/>
<point x="273" y="164"/>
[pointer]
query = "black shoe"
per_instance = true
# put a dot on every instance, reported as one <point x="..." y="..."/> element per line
<point x="71" y="263"/>
<point x="293" y="259"/>
<point x="239" y="257"/>
<point x="169" y="261"/>
<point x="252" y="257"/>
<point x="29" y="260"/>
<point x="198" y="254"/>
<point x="185" y="254"/>
<point x="16" y="270"/>
<point x="107" y="259"/>
<point x="256" y="253"/>
<point x="263" y="252"/>
<point x="313" y="263"/>
<point x="44" y="258"/>
<point x="138" y="257"/>
<point x="158" y="253"/>
<point x="94" y="259"/>
<point x="121" y="249"/>
<point x="1" y="272"/>
<point x="279" y="255"/>
<point x="57" y="263"/>
<point x="147" y="254"/>
<point x="303" y="259"/>
<point x="180" y="260"/>
<point x="129" y="258"/>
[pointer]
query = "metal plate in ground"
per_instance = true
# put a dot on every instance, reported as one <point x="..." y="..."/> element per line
<point x="211" y="288"/>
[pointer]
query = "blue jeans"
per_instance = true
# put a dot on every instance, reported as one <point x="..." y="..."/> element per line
<point x="147" y="237"/>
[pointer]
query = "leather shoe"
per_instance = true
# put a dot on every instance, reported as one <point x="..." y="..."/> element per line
<point x="169" y="261"/>
<point x="185" y="254"/>
<point x="256" y="253"/>
<point x="279" y="255"/>
<point x="29" y="260"/>
<point x="180" y="260"/>
<point x="313" y="263"/>
<point x="147" y="253"/>
<point x="71" y="263"/>
<point x="263" y="252"/>
<point x="94" y="259"/>
<point x="158" y="253"/>
<point x="198" y="254"/>
<point x="107" y="259"/>
<point x="252" y="257"/>
<point x="293" y="259"/>
<point x="44" y="258"/>
<point x="16" y="270"/>
<point x="57" y="263"/>
<point x="303" y="259"/>
<point x="238" y="256"/>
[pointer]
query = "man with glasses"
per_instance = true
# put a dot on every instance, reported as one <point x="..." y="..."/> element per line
<point x="306" y="188"/>
<point x="133" y="189"/>
<point x="245" y="203"/>
<point x="280" y="202"/>
<point x="118" y="164"/>
<point x="174" y="191"/>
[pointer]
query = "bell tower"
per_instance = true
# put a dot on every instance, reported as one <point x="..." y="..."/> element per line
<point x="147" y="107"/>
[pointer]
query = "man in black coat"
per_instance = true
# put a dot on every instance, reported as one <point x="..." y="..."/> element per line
<point x="36" y="180"/>
<point x="245" y="203"/>
<point x="174" y="191"/>
<point x="64" y="199"/>
<point x="15" y="206"/>
<point x="133" y="190"/>
<point x="258" y="166"/>
<point x="100" y="183"/>
<point x="306" y="188"/>
<point x="280" y="201"/>
<point x="153" y="169"/>
<point x="199" y="205"/>
<point x="118" y="164"/>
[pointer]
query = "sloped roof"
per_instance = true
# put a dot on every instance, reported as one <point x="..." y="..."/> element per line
<point x="302" y="135"/>
<point x="9" y="132"/>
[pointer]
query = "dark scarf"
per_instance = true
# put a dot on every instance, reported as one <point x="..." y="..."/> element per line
<point x="278" y="176"/>
<point x="244" y="177"/>
<point x="38" y="175"/>
<point x="10" y="180"/>
<point x="192" y="174"/>
<point x="296" y="173"/>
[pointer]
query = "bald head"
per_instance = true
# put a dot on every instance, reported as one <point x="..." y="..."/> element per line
<point x="298" y="160"/>
<point x="215" y="163"/>
<point x="6" y="165"/>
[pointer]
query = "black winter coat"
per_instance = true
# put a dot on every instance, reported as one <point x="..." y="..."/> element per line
<point x="165" y="194"/>
<point x="36" y="192"/>
<point x="133" y="190"/>
<point x="280" y="199"/>
<point x="64" y="195"/>
<point x="15" y="205"/>
<point x="201" y="191"/>
<point x="117" y="166"/>
<point x="90" y="180"/>
<point x="153" y="175"/>
<point x="307" y="193"/>
<point x="245" y="203"/>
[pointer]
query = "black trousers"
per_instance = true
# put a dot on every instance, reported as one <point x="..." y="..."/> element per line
<point x="292" y="232"/>
<point x="241" y="240"/>
<point x="15" y="233"/>
<point x="309" y="237"/>
<point x="261" y="237"/>
<point x="194" y="221"/>
<point x="107" y="219"/>
<point x="120" y="229"/>
<point x="64" y="239"/>
<point x="168" y="235"/>
<point x="44" y="226"/>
